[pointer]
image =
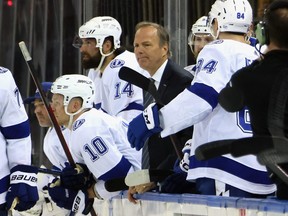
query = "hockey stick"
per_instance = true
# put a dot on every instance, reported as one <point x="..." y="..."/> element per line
<point x="31" y="69"/>
<point x="146" y="84"/>
<point x="49" y="171"/>
<point x="145" y="176"/>
<point x="28" y="60"/>
<point x="136" y="178"/>
<point x="239" y="147"/>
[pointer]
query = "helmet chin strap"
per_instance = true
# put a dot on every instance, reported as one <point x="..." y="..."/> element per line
<point x="71" y="115"/>
<point x="103" y="57"/>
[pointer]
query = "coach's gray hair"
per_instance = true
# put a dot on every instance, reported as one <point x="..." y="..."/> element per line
<point x="161" y="32"/>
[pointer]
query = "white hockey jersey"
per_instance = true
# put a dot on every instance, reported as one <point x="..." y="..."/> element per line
<point x="120" y="98"/>
<point x="95" y="75"/>
<point x="15" y="140"/>
<point x="100" y="141"/>
<point x="199" y="107"/>
<point x="53" y="149"/>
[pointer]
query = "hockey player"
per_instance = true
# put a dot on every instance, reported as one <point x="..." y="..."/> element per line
<point x="258" y="85"/>
<point x="15" y="151"/>
<point x="54" y="152"/>
<point x="198" y="105"/>
<point x="101" y="52"/>
<point x="199" y="36"/>
<point x="96" y="139"/>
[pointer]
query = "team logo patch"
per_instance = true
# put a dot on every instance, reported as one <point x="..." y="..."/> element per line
<point x="117" y="63"/>
<point x="217" y="41"/>
<point x="78" y="123"/>
<point x="3" y="70"/>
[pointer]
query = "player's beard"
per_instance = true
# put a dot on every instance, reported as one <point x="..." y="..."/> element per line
<point x="90" y="61"/>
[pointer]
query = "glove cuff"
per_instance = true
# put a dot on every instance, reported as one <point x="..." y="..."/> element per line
<point x="25" y="168"/>
<point x="151" y="117"/>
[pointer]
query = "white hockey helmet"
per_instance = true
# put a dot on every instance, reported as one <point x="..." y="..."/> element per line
<point x="232" y="16"/>
<point x="100" y="28"/>
<point x="75" y="85"/>
<point x="199" y="27"/>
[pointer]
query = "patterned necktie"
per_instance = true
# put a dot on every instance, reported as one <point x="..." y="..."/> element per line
<point x="147" y="99"/>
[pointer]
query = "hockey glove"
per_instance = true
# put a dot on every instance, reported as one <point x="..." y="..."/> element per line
<point x="75" y="178"/>
<point x="184" y="163"/>
<point x="177" y="183"/>
<point x="68" y="198"/>
<point x="144" y="126"/>
<point x="63" y="197"/>
<point x="22" y="194"/>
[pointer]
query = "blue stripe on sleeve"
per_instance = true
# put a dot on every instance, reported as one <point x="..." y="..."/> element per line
<point x="4" y="184"/>
<point x="205" y="92"/>
<point x="18" y="131"/>
<point x="234" y="168"/>
<point x="133" y="106"/>
<point x="120" y="170"/>
<point x="97" y="106"/>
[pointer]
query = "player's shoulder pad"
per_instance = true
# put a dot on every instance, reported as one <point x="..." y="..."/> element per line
<point x="78" y="124"/>
<point x="115" y="63"/>
<point x="3" y="70"/>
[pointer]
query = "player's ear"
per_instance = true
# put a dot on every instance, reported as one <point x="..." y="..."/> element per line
<point x="107" y="46"/>
<point x="74" y="105"/>
<point x="215" y="26"/>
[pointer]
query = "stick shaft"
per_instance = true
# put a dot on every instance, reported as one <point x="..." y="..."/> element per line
<point x="58" y="130"/>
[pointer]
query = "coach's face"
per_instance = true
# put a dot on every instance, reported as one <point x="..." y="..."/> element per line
<point x="150" y="55"/>
<point x="58" y="109"/>
<point x="41" y="113"/>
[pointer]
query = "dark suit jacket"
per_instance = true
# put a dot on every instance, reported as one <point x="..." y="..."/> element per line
<point x="161" y="151"/>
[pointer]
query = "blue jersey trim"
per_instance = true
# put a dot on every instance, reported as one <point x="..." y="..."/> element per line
<point x="205" y="92"/>
<point x="133" y="106"/>
<point x="4" y="184"/>
<point x="234" y="168"/>
<point x="97" y="106"/>
<point x="18" y="131"/>
<point x="120" y="170"/>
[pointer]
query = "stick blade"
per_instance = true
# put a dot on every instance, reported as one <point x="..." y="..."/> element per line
<point x="272" y="156"/>
<point x="137" y="79"/>
<point x="146" y="176"/>
<point x="213" y="149"/>
<point x="133" y="77"/>
<point x="239" y="147"/>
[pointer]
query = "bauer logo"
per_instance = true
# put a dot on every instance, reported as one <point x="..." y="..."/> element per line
<point x="78" y="123"/>
<point x="23" y="178"/>
<point x="117" y="63"/>
<point x="84" y="81"/>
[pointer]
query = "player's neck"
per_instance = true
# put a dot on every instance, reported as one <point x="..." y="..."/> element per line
<point x="231" y="36"/>
<point x="107" y="60"/>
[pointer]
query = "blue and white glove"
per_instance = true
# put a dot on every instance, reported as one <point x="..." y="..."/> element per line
<point x="74" y="200"/>
<point x="144" y="126"/>
<point x="184" y="163"/>
<point x="76" y="178"/>
<point x="63" y="197"/>
<point x="23" y="193"/>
